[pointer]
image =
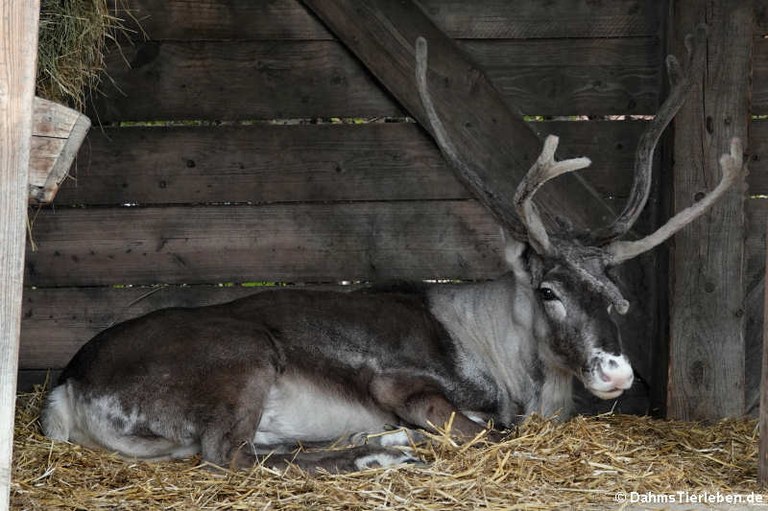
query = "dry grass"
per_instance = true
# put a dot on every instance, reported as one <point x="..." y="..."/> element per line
<point x="72" y="40"/>
<point x="578" y="464"/>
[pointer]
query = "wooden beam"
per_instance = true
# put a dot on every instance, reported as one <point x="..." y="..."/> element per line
<point x="205" y="80"/>
<point x="762" y="471"/>
<point x="496" y="144"/>
<point x="707" y="316"/>
<point x="486" y="19"/>
<point x="18" y="54"/>
<point x="271" y="242"/>
<point x="318" y="163"/>
<point x="760" y="72"/>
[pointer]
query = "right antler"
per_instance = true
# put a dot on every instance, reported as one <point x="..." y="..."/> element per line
<point x="733" y="169"/>
<point x="681" y="82"/>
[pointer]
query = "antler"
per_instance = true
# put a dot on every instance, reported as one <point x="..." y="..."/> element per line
<point x="681" y="82"/>
<point x="733" y="169"/>
<point x="544" y="169"/>
<point x="441" y="135"/>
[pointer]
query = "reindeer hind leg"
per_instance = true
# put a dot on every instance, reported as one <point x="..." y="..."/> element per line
<point x="350" y="459"/>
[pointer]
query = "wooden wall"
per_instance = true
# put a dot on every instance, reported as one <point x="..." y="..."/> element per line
<point x="757" y="207"/>
<point x="231" y="129"/>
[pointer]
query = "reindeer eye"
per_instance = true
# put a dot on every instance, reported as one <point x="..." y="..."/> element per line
<point x="547" y="294"/>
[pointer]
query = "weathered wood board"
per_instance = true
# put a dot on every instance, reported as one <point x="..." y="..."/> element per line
<point x="758" y="158"/>
<point x="57" y="133"/>
<point x="707" y="319"/>
<point x="754" y="248"/>
<point x="310" y="163"/>
<point x="486" y="19"/>
<point x="288" y="243"/>
<point x="760" y="74"/>
<point x="18" y="53"/>
<point x="762" y="459"/>
<point x="227" y="80"/>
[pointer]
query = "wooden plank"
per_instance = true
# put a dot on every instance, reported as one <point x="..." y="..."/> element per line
<point x="758" y="162"/>
<point x="754" y="248"/>
<point x="501" y="19"/>
<point x="299" y="79"/>
<point x="573" y="77"/>
<point x="762" y="472"/>
<point x="289" y="243"/>
<point x="761" y="17"/>
<point x="760" y="75"/>
<point x="486" y="19"/>
<point x="302" y="163"/>
<point x="57" y="134"/>
<point x="706" y="376"/>
<point x="237" y="80"/>
<point x="18" y="54"/>
<point x="52" y="120"/>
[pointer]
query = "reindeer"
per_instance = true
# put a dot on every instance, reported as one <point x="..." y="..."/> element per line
<point x="259" y="375"/>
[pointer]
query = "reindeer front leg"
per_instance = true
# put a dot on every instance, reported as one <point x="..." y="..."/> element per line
<point x="418" y="401"/>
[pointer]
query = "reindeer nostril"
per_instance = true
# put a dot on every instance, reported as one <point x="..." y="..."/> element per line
<point x="612" y="364"/>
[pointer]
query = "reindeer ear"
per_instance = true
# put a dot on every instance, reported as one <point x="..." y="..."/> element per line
<point x="513" y="250"/>
<point x="521" y="259"/>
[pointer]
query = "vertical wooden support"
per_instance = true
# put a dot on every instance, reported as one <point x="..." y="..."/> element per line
<point x="707" y="319"/>
<point x="762" y="472"/>
<point x="18" y="56"/>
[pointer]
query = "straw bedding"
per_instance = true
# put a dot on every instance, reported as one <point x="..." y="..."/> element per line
<point x="581" y="463"/>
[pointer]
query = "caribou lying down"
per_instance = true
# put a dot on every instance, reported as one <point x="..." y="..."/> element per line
<point x="267" y="372"/>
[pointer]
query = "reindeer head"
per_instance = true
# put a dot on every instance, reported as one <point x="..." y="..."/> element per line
<point x="569" y="270"/>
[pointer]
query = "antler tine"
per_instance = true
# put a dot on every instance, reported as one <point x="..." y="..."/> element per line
<point x="544" y="169"/>
<point x="441" y="135"/>
<point x="681" y="82"/>
<point x="733" y="168"/>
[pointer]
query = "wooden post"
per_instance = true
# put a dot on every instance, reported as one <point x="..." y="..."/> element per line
<point x="18" y="56"/>
<point x="707" y="316"/>
<point x="495" y="142"/>
<point x="762" y="472"/>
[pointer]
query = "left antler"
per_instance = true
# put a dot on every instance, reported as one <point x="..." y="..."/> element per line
<point x="544" y="169"/>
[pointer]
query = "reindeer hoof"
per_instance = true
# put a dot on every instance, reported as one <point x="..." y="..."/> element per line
<point x="387" y="458"/>
<point x="397" y="437"/>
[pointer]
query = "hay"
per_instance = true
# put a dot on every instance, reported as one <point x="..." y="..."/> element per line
<point x="580" y="464"/>
<point x="73" y="37"/>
